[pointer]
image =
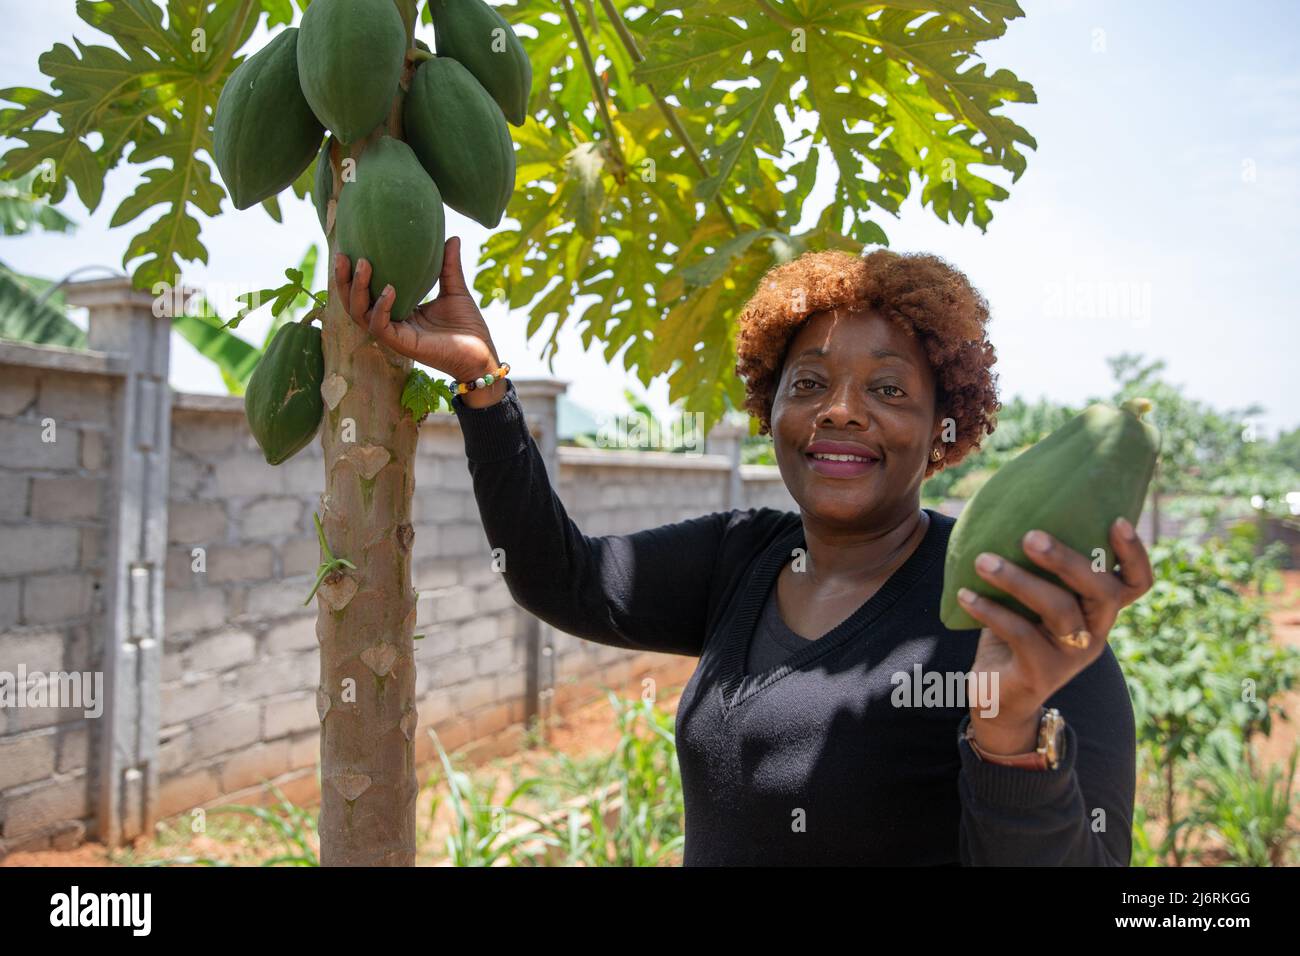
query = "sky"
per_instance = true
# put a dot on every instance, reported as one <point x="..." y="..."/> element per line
<point x="1159" y="214"/>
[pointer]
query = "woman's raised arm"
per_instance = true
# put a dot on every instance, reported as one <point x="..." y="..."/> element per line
<point x="646" y="591"/>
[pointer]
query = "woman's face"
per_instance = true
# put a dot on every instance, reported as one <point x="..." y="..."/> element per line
<point x="854" y="383"/>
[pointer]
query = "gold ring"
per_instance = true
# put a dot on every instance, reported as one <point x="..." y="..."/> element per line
<point x="1080" y="638"/>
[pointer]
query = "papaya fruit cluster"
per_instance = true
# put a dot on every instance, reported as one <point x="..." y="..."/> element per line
<point x="326" y="90"/>
<point x="1073" y="484"/>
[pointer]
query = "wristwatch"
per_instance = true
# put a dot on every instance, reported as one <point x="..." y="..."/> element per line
<point x="1051" y="745"/>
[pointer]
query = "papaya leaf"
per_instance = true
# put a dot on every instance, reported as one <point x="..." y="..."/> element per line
<point x="422" y="395"/>
<point x="656" y="259"/>
<point x="307" y="275"/>
<point x="746" y="120"/>
<point x="272" y="206"/>
<point x="252" y="301"/>
<point x="712" y="267"/>
<point x="293" y="294"/>
<point x="149" y="95"/>
<point x="664" y="246"/>
<point x="444" y="392"/>
<point x="285" y="295"/>
<point x="804" y="174"/>
<point x="278" y="12"/>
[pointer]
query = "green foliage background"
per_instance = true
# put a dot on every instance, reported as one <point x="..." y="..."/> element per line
<point x="651" y="196"/>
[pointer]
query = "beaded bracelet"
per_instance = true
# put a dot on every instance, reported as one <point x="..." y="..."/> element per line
<point x="483" y="381"/>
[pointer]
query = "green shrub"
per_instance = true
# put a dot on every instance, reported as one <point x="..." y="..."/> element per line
<point x="1201" y="666"/>
<point x="1245" y="809"/>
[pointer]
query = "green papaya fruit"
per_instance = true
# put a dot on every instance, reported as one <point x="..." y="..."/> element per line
<point x="283" y="403"/>
<point x="322" y="187"/>
<point x="461" y="139"/>
<point x="350" y="58"/>
<point x="392" y="216"/>
<point x="264" y="133"/>
<point x="1073" y="484"/>
<point x="473" y="33"/>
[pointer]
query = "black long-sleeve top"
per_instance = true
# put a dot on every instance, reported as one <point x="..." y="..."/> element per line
<point x="813" y="761"/>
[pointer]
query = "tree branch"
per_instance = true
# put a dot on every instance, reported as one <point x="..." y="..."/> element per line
<point x="775" y="14"/>
<point x="597" y="89"/>
<point x="674" y="122"/>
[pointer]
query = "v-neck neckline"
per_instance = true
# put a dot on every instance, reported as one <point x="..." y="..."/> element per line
<point x="735" y="685"/>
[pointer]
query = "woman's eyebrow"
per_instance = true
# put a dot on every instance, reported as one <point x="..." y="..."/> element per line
<point x="820" y="352"/>
<point x="815" y="351"/>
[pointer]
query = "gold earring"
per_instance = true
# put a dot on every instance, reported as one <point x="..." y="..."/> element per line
<point x="936" y="454"/>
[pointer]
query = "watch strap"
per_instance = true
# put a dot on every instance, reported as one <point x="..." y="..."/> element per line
<point x="1051" y="739"/>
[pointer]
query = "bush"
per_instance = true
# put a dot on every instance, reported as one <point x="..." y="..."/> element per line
<point x="1202" y="670"/>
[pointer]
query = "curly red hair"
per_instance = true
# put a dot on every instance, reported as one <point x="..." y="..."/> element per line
<point x="922" y="293"/>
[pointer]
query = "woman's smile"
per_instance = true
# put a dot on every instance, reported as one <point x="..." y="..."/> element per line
<point x="841" y="459"/>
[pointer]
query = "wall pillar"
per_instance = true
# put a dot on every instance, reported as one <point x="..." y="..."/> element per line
<point x="540" y="401"/>
<point x="122" y="321"/>
<point x="726" y="439"/>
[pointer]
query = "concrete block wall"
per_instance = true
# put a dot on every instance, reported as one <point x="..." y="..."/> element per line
<point x="57" y="414"/>
<point x="240" y="662"/>
<point x="619" y="492"/>
<point x="764" y="488"/>
<point x="227" y="696"/>
<point x="471" y="661"/>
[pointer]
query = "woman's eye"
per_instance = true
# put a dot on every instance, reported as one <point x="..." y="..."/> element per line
<point x="896" y="389"/>
<point x="800" y="381"/>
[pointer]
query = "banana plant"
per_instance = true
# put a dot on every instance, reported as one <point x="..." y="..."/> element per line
<point x="27" y="312"/>
<point x="234" y="357"/>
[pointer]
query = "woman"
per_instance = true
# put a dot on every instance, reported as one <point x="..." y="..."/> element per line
<point x="812" y="731"/>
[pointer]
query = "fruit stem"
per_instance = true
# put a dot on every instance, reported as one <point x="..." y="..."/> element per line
<point x="1138" y="406"/>
<point x="416" y="55"/>
<point x="219" y="66"/>
<point x="409" y="11"/>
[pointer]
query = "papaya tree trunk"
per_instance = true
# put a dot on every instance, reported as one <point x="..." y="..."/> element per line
<point x="366" y="623"/>
<point x="366" y="615"/>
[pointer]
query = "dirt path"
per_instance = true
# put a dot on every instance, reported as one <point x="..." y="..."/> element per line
<point x="1286" y="630"/>
<point x="583" y="732"/>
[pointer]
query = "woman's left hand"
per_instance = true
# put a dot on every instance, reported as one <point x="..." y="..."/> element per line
<point x="1034" y="660"/>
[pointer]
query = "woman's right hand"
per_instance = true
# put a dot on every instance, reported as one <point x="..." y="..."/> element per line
<point x="447" y="333"/>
